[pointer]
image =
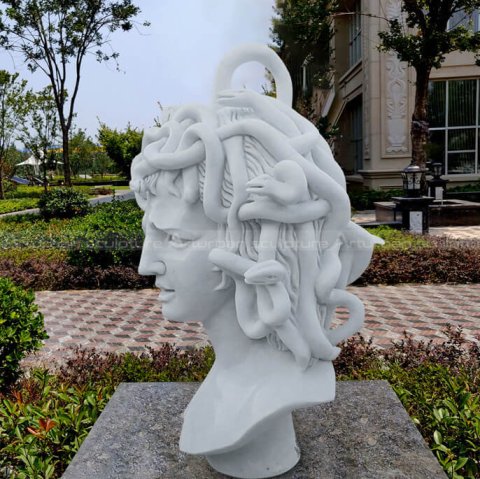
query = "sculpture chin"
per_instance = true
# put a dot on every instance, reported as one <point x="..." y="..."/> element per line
<point x="166" y="295"/>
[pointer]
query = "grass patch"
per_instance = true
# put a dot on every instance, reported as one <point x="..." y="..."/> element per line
<point x="398" y="240"/>
<point x="10" y="206"/>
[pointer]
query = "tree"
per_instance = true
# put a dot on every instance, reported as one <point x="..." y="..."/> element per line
<point x="54" y="36"/>
<point x="82" y="150"/>
<point x="39" y="131"/>
<point x="302" y="32"/>
<point x="101" y="162"/>
<point x="121" y="146"/>
<point x="12" y="92"/>
<point x="423" y="44"/>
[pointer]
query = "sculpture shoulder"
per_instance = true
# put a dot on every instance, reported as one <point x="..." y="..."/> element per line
<point x="230" y="406"/>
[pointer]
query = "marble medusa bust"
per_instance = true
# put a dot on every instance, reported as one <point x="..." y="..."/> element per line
<point x="247" y="229"/>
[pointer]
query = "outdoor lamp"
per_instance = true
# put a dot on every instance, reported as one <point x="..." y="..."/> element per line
<point x="437" y="170"/>
<point x="437" y="186"/>
<point x="412" y="180"/>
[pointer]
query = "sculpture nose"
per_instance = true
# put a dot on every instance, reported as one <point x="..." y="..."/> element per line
<point x="149" y="265"/>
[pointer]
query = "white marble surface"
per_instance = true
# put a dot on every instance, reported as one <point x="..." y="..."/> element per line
<point x="247" y="226"/>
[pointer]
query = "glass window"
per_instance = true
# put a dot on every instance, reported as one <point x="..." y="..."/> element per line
<point x="436" y="110"/>
<point x="436" y="147"/>
<point x="461" y="139"/>
<point x="461" y="18"/>
<point x="356" y="132"/>
<point x="355" y="34"/>
<point x="461" y="163"/>
<point x="454" y="115"/>
<point x="461" y="102"/>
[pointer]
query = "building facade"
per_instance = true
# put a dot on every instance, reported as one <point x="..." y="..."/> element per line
<point x="372" y="97"/>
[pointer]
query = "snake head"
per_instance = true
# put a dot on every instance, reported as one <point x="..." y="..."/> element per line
<point x="266" y="272"/>
<point x="287" y="185"/>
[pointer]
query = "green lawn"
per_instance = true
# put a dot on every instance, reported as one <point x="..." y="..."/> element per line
<point x="26" y="197"/>
<point x="17" y="204"/>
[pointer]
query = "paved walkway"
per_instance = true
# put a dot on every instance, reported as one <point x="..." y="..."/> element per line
<point x="128" y="320"/>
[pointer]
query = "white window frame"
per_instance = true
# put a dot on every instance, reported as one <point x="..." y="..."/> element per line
<point x="448" y="128"/>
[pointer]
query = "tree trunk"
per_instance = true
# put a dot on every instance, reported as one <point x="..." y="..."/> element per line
<point x="66" y="158"/>
<point x="2" y="191"/>
<point x="44" y="168"/>
<point x="419" y="128"/>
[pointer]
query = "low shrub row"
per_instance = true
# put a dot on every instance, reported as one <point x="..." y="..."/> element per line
<point x="21" y="191"/>
<point x="45" y="417"/>
<point x="465" y="188"/>
<point x="57" y="274"/>
<point x="53" y="270"/>
<point x="56" y="204"/>
<point x="364" y="200"/>
<point x="398" y="240"/>
<point x="443" y="261"/>
<point x="100" y="250"/>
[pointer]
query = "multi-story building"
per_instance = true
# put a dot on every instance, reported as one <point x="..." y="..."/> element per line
<point x="372" y="96"/>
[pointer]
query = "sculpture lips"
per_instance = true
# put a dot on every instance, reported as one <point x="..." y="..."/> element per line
<point x="166" y="294"/>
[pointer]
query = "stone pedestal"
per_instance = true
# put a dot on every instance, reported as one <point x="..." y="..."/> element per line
<point x="364" y="434"/>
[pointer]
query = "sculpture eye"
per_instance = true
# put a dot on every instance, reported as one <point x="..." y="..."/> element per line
<point x="177" y="241"/>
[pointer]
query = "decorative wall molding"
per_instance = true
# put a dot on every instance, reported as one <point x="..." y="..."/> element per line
<point x="366" y="95"/>
<point x="396" y="92"/>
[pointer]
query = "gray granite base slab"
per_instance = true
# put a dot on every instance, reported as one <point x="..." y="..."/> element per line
<point x="364" y="434"/>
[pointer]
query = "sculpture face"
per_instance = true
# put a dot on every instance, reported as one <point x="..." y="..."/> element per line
<point x="178" y="238"/>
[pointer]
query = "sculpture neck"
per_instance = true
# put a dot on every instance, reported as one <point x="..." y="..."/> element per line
<point x="230" y="343"/>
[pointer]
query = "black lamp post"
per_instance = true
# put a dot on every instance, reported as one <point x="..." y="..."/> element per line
<point x="436" y="170"/>
<point x="413" y="205"/>
<point x="437" y="186"/>
<point x="412" y="181"/>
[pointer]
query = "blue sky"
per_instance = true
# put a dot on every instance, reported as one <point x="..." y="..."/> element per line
<point x="172" y="62"/>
